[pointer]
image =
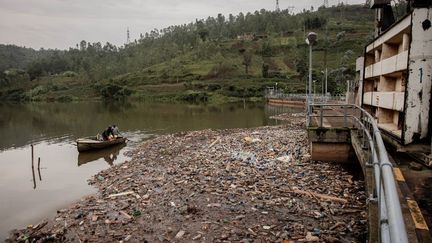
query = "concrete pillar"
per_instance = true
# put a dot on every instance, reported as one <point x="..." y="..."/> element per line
<point x="377" y="56"/>
<point x="405" y="42"/>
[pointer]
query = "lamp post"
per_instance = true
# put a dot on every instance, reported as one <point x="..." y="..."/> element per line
<point x="324" y="88"/>
<point x="310" y="40"/>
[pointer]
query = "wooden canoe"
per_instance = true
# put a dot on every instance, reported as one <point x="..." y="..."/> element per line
<point x="91" y="143"/>
<point x="108" y="154"/>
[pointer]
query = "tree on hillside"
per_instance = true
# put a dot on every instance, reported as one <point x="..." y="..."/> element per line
<point x="221" y="24"/>
<point x="35" y="70"/>
<point x="265" y="70"/>
<point x="203" y="46"/>
<point x="266" y="50"/>
<point x="247" y="60"/>
<point x="83" y="45"/>
<point x="202" y="30"/>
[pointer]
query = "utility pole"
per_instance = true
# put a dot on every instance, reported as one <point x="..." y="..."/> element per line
<point x="310" y="71"/>
<point x="314" y="83"/>
<point x="326" y="75"/>
<point x="325" y="59"/>
<point x="127" y="36"/>
<point x="310" y="40"/>
<point x="277" y="6"/>
<point x="348" y="93"/>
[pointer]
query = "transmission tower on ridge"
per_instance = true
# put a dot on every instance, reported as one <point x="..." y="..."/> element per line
<point x="127" y="36"/>
<point x="326" y="4"/>
<point x="277" y="6"/>
<point x="290" y="9"/>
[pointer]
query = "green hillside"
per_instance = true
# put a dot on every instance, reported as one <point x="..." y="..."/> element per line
<point x="213" y="60"/>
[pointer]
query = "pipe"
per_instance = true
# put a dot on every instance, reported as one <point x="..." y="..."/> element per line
<point x="382" y="205"/>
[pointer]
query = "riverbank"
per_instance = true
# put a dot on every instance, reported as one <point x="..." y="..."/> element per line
<point x="215" y="186"/>
<point x="69" y="89"/>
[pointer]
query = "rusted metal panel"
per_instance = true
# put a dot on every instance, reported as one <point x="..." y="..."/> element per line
<point x="420" y="78"/>
<point x="417" y="216"/>
<point x="398" y="174"/>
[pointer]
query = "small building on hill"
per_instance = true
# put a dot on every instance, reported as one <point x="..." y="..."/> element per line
<point x="246" y="37"/>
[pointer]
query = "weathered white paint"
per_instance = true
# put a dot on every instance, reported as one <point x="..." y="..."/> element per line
<point x="419" y="79"/>
<point x="395" y="30"/>
<point x="405" y="42"/>
<point x="388" y="100"/>
<point x="393" y="64"/>
<point x="399" y="68"/>
<point x="360" y="70"/>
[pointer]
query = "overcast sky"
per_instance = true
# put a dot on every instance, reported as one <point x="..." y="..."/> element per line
<point x="64" y="23"/>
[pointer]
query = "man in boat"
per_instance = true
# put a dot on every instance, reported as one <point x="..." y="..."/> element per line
<point x="116" y="132"/>
<point x="108" y="134"/>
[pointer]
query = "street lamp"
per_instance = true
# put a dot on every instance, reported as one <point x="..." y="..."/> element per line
<point x="310" y="40"/>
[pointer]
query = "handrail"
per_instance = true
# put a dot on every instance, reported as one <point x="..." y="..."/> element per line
<point x="279" y="94"/>
<point x="392" y="224"/>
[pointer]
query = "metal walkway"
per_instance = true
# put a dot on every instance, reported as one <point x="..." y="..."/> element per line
<point x="391" y="220"/>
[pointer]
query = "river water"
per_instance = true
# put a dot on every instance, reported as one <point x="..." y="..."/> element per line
<point x="29" y="195"/>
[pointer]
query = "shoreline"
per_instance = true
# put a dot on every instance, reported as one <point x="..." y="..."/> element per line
<point x="216" y="185"/>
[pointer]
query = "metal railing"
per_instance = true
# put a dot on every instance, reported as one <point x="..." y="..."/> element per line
<point x="391" y="222"/>
<point x="279" y="94"/>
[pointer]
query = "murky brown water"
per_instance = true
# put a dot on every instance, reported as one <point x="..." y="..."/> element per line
<point x="53" y="128"/>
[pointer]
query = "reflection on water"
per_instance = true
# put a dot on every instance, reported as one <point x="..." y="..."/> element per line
<point x="108" y="154"/>
<point x="31" y="191"/>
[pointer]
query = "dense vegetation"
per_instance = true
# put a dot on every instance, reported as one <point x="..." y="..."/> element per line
<point x="213" y="59"/>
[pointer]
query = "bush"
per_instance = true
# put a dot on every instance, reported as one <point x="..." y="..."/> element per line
<point x="65" y="98"/>
<point x="213" y="87"/>
<point x="14" y="95"/>
<point x="114" y="92"/>
<point x="222" y="70"/>
<point x="38" y="90"/>
<point x="69" y="74"/>
<point x="195" y="97"/>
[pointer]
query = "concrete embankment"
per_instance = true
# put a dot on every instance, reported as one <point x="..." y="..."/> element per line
<point x="215" y="186"/>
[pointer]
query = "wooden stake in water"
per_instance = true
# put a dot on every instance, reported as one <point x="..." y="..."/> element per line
<point x="32" y="164"/>
<point x="40" y="177"/>
<point x="32" y="156"/>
